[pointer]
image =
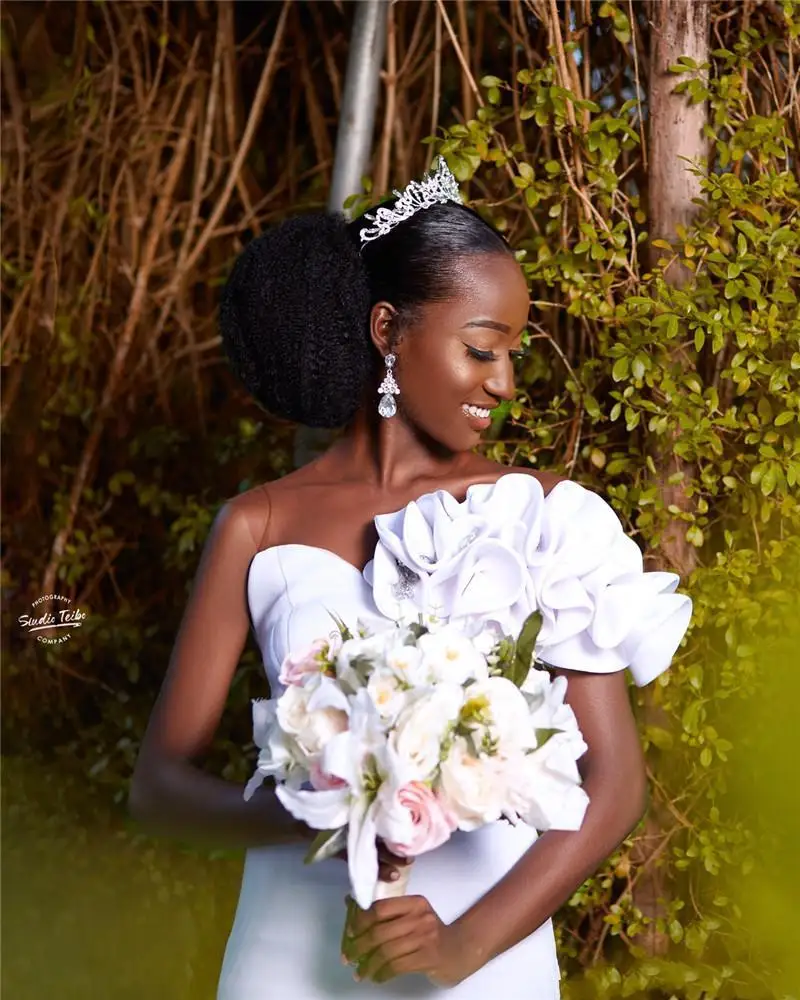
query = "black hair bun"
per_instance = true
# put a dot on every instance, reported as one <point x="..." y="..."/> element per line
<point x="294" y="321"/>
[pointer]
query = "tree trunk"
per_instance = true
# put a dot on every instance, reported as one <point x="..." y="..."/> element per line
<point x="678" y="28"/>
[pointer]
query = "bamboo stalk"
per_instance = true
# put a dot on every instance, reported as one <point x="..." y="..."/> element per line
<point x="9" y="73"/>
<point x="467" y="105"/>
<point x="136" y="305"/>
<point x="314" y="113"/>
<point x="259" y="100"/>
<point x="390" y="82"/>
<point x="460" y="55"/>
<point x="437" y="80"/>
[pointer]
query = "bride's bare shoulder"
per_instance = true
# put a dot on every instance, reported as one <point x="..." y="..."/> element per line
<point x="267" y="507"/>
<point x="492" y="471"/>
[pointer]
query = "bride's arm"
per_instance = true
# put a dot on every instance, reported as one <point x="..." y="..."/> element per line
<point x="169" y="793"/>
<point x="546" y="876"/>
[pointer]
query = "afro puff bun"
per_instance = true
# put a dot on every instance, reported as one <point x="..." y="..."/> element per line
<point x="294" y="318"/>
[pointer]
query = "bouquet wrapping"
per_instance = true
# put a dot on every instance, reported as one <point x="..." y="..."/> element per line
<point x="412" y="732"/>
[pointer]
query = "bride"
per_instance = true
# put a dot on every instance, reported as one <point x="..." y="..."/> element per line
<point x="402" y="327"/>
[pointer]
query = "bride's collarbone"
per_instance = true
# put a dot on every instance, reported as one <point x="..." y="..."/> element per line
<point x="339" y="519"/>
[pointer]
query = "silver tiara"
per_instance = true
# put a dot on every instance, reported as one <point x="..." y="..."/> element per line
<point x="436" y="187"/>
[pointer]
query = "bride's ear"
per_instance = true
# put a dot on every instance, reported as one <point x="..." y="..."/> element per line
<point x="382" y="327"/>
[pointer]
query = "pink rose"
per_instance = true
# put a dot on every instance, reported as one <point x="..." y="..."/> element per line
<point x="321" y="780"/>
<point x="432" y="821"/>
<point x="304" y="663"/>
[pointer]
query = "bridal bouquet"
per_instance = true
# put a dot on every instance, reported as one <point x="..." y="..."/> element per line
<point x="416" y="731"/>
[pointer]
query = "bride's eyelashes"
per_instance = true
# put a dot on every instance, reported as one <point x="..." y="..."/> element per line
<point x="479" y="355"/>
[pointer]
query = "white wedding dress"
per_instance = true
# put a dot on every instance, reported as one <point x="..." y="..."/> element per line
<point x="498" y="554"/>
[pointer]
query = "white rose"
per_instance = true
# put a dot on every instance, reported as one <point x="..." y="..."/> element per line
<point x="474" y="787"/>
<point x="406" y="664"/>
<point x="416" y="740"/>
<point x="313" y="714"/>
<point x="389" y="695"/>
<point x="499" y="706"/>
<point x="448" y="655"/>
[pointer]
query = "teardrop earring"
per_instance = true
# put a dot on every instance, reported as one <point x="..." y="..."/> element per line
<point x="388" y="389"/>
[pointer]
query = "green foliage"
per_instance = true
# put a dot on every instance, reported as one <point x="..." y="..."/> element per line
<point x="689" y="388"/>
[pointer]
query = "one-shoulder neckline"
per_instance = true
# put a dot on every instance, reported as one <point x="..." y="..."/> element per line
<point x="283" y="546"/>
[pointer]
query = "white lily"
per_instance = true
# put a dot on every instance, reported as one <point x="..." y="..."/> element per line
<point x="324" y="810"/>
<point x="356" y="756"/>
<point x="279" y="755"/>
<point x="547" y="793"/>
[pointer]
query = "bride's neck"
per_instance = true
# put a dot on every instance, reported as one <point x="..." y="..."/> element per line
<point x="392" y="453"/>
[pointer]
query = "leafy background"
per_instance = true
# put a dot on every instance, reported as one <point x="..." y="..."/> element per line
<point x="143" y="145"/>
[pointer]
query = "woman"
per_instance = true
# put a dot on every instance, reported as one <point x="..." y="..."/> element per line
<point x="404" y="326"/>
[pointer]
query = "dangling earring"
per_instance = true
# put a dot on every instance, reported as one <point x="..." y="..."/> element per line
<point x="388" y="389"/>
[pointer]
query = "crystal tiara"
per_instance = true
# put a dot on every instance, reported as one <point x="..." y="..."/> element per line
<point x="437" y="187"/>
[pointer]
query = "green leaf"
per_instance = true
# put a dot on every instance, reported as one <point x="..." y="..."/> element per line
<point x="417" y="629"/>
<point x="620" y="369"/>
<point x="525" y="648"/>
<point x="659" y="737"/>
<point x="344" y="631"/>
<point x="769" y="480"/>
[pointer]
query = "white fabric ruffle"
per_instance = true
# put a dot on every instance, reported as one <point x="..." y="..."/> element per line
<point x="507" y="550"/>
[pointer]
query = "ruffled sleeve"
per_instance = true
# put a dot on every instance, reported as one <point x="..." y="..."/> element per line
<point x="602" y="611"/>
<point x="507" y="549"/>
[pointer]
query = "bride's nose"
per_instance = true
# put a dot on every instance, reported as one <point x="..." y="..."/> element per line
<point x="500" y="383"/>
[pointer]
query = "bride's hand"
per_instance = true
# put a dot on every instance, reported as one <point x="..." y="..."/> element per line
<point x="389" y="865"/>
<point x="397" y="937"/>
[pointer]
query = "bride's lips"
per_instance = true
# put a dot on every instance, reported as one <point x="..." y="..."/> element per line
<point x="479" y="417"/>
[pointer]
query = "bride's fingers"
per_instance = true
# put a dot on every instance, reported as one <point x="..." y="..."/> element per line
<point x="389" y="865"/>
<point x="388" y="873"/>
<point x="396" y="860"/>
